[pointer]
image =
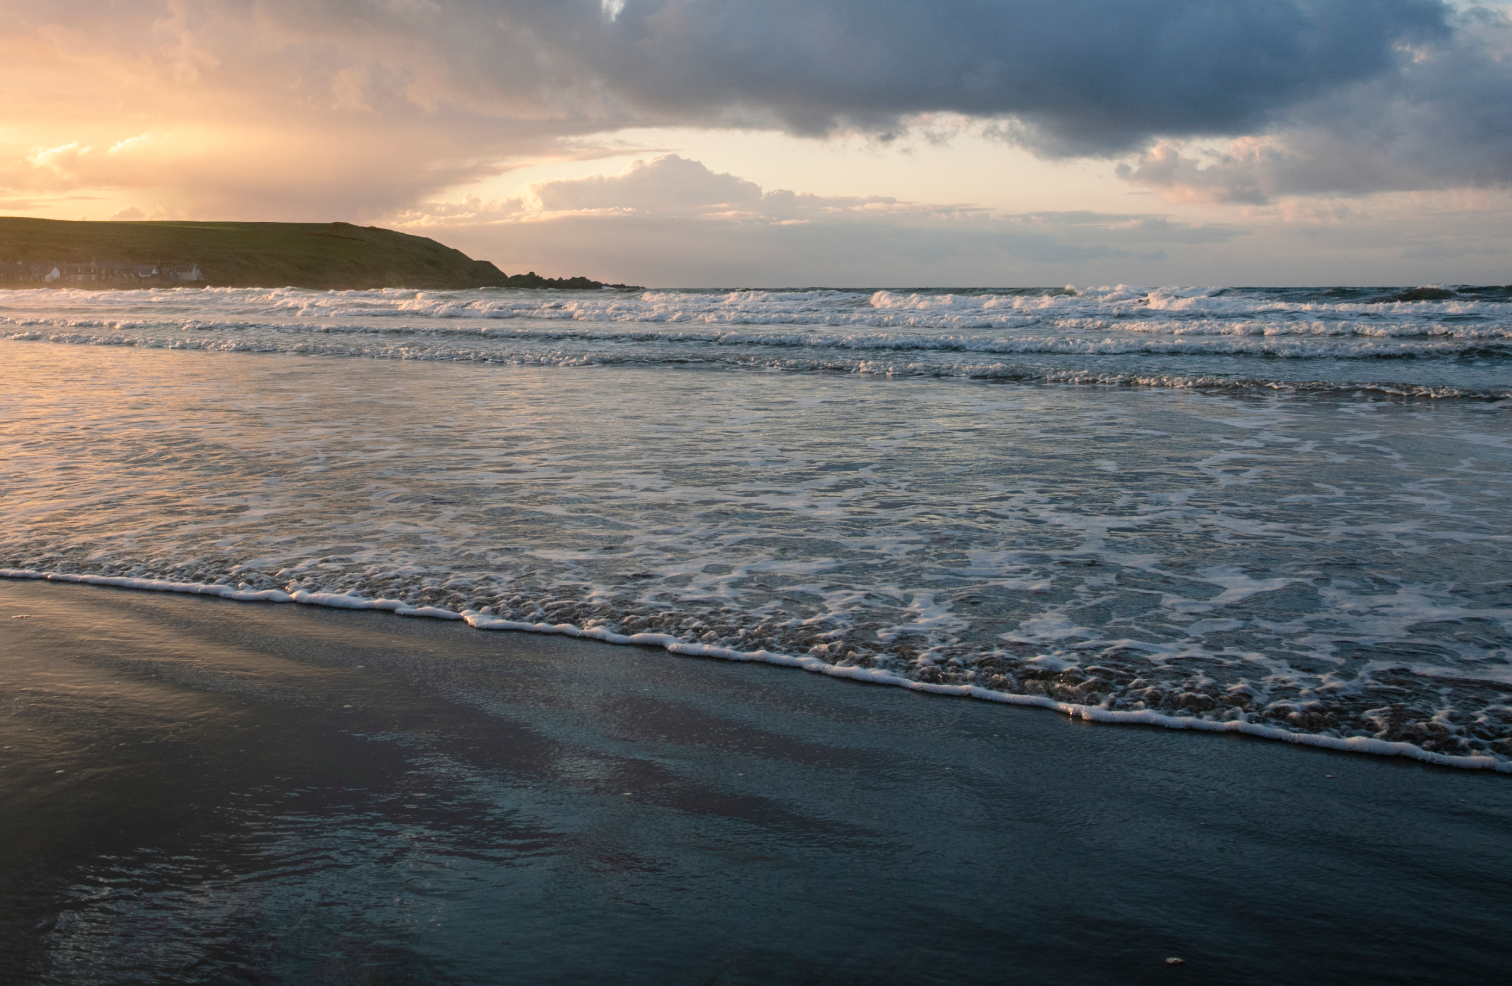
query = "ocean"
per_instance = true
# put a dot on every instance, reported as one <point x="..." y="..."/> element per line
<point x="1280" y="512"/>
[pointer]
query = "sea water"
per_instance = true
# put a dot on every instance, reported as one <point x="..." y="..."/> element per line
<point x="1281" y="511"/>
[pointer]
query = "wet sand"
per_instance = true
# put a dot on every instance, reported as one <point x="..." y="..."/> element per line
<point x="196" y="790"/>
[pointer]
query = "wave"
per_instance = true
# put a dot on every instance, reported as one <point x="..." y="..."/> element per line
<point x="996" y="371"/>
<point x="1438" y="342"/>
<point x="1322" y="567"/>
<point x="809" y="306"/>
<point x="1250" y="335"/>
<point x="871" y="675"/>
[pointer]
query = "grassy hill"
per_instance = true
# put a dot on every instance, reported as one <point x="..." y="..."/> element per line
<point x="306" y="255"/>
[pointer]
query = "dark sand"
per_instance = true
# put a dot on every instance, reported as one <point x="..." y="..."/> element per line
<point x="196" y="790"/>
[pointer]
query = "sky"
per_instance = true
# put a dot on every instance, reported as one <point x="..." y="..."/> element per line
<point x="795" y="142"/>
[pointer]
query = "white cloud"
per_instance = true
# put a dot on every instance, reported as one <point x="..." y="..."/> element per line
<point x="61" y="158"/>
<point x="641" y="224"/>
<point x="668" y="185"/>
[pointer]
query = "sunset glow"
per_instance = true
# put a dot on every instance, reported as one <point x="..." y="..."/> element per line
<point x="661" y="492"/>
<point x="1380" y="152"/>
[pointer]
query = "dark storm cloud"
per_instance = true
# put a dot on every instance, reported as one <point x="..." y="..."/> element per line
<point x="1075" y="76"/>
<point x="1443" y="120"/>
<point x="1379" y="92"/>
<point x="1081" y="76"/>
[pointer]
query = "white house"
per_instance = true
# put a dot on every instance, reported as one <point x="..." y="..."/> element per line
<point x="115" y="272"/>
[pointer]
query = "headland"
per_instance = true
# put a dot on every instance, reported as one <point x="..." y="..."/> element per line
<point x="322" y="256"/>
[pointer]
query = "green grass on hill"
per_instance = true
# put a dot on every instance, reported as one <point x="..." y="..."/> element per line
<point x="307" y="255"/>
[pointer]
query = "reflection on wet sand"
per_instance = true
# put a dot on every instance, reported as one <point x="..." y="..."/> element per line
<point x="207" y="791"/>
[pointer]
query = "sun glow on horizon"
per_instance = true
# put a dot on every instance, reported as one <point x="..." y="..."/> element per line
<point x="457" y="122"/>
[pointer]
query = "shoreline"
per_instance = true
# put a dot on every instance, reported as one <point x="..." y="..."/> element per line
<point x="286" y="795"/>
<point x="673" y="645"/>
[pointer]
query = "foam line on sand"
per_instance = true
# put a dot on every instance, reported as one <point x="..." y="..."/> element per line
<point x="483" y="621"/>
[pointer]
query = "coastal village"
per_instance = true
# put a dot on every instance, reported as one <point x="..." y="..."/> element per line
<point x="115" y="274"/>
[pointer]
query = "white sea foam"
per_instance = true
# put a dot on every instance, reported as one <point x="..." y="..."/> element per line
<point x="877" y="676"/>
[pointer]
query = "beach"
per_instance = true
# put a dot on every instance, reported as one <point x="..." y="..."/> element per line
<point x="200" y="790"/>
<point x="755" y="637"/>
<point x="735" y="494"/>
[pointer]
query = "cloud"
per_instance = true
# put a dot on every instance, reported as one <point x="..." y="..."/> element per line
<point x="673" y="220"/>
<point x="852" y="248"/>
<point x="60" y="158"/>
<point x="1078" y="77"/>
<point x="1443" y="119"/>
<point x="357" y="108"/>
<point x="668" y="185"/>
<point x="1440" y="252"/>
<point x="268" y="111"/>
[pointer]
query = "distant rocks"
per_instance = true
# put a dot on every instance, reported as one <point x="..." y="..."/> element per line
<point x="534" y="280"/>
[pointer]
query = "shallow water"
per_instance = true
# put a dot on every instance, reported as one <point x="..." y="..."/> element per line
<point x="202" y="791"/>
<point x="1306" y="555"/>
